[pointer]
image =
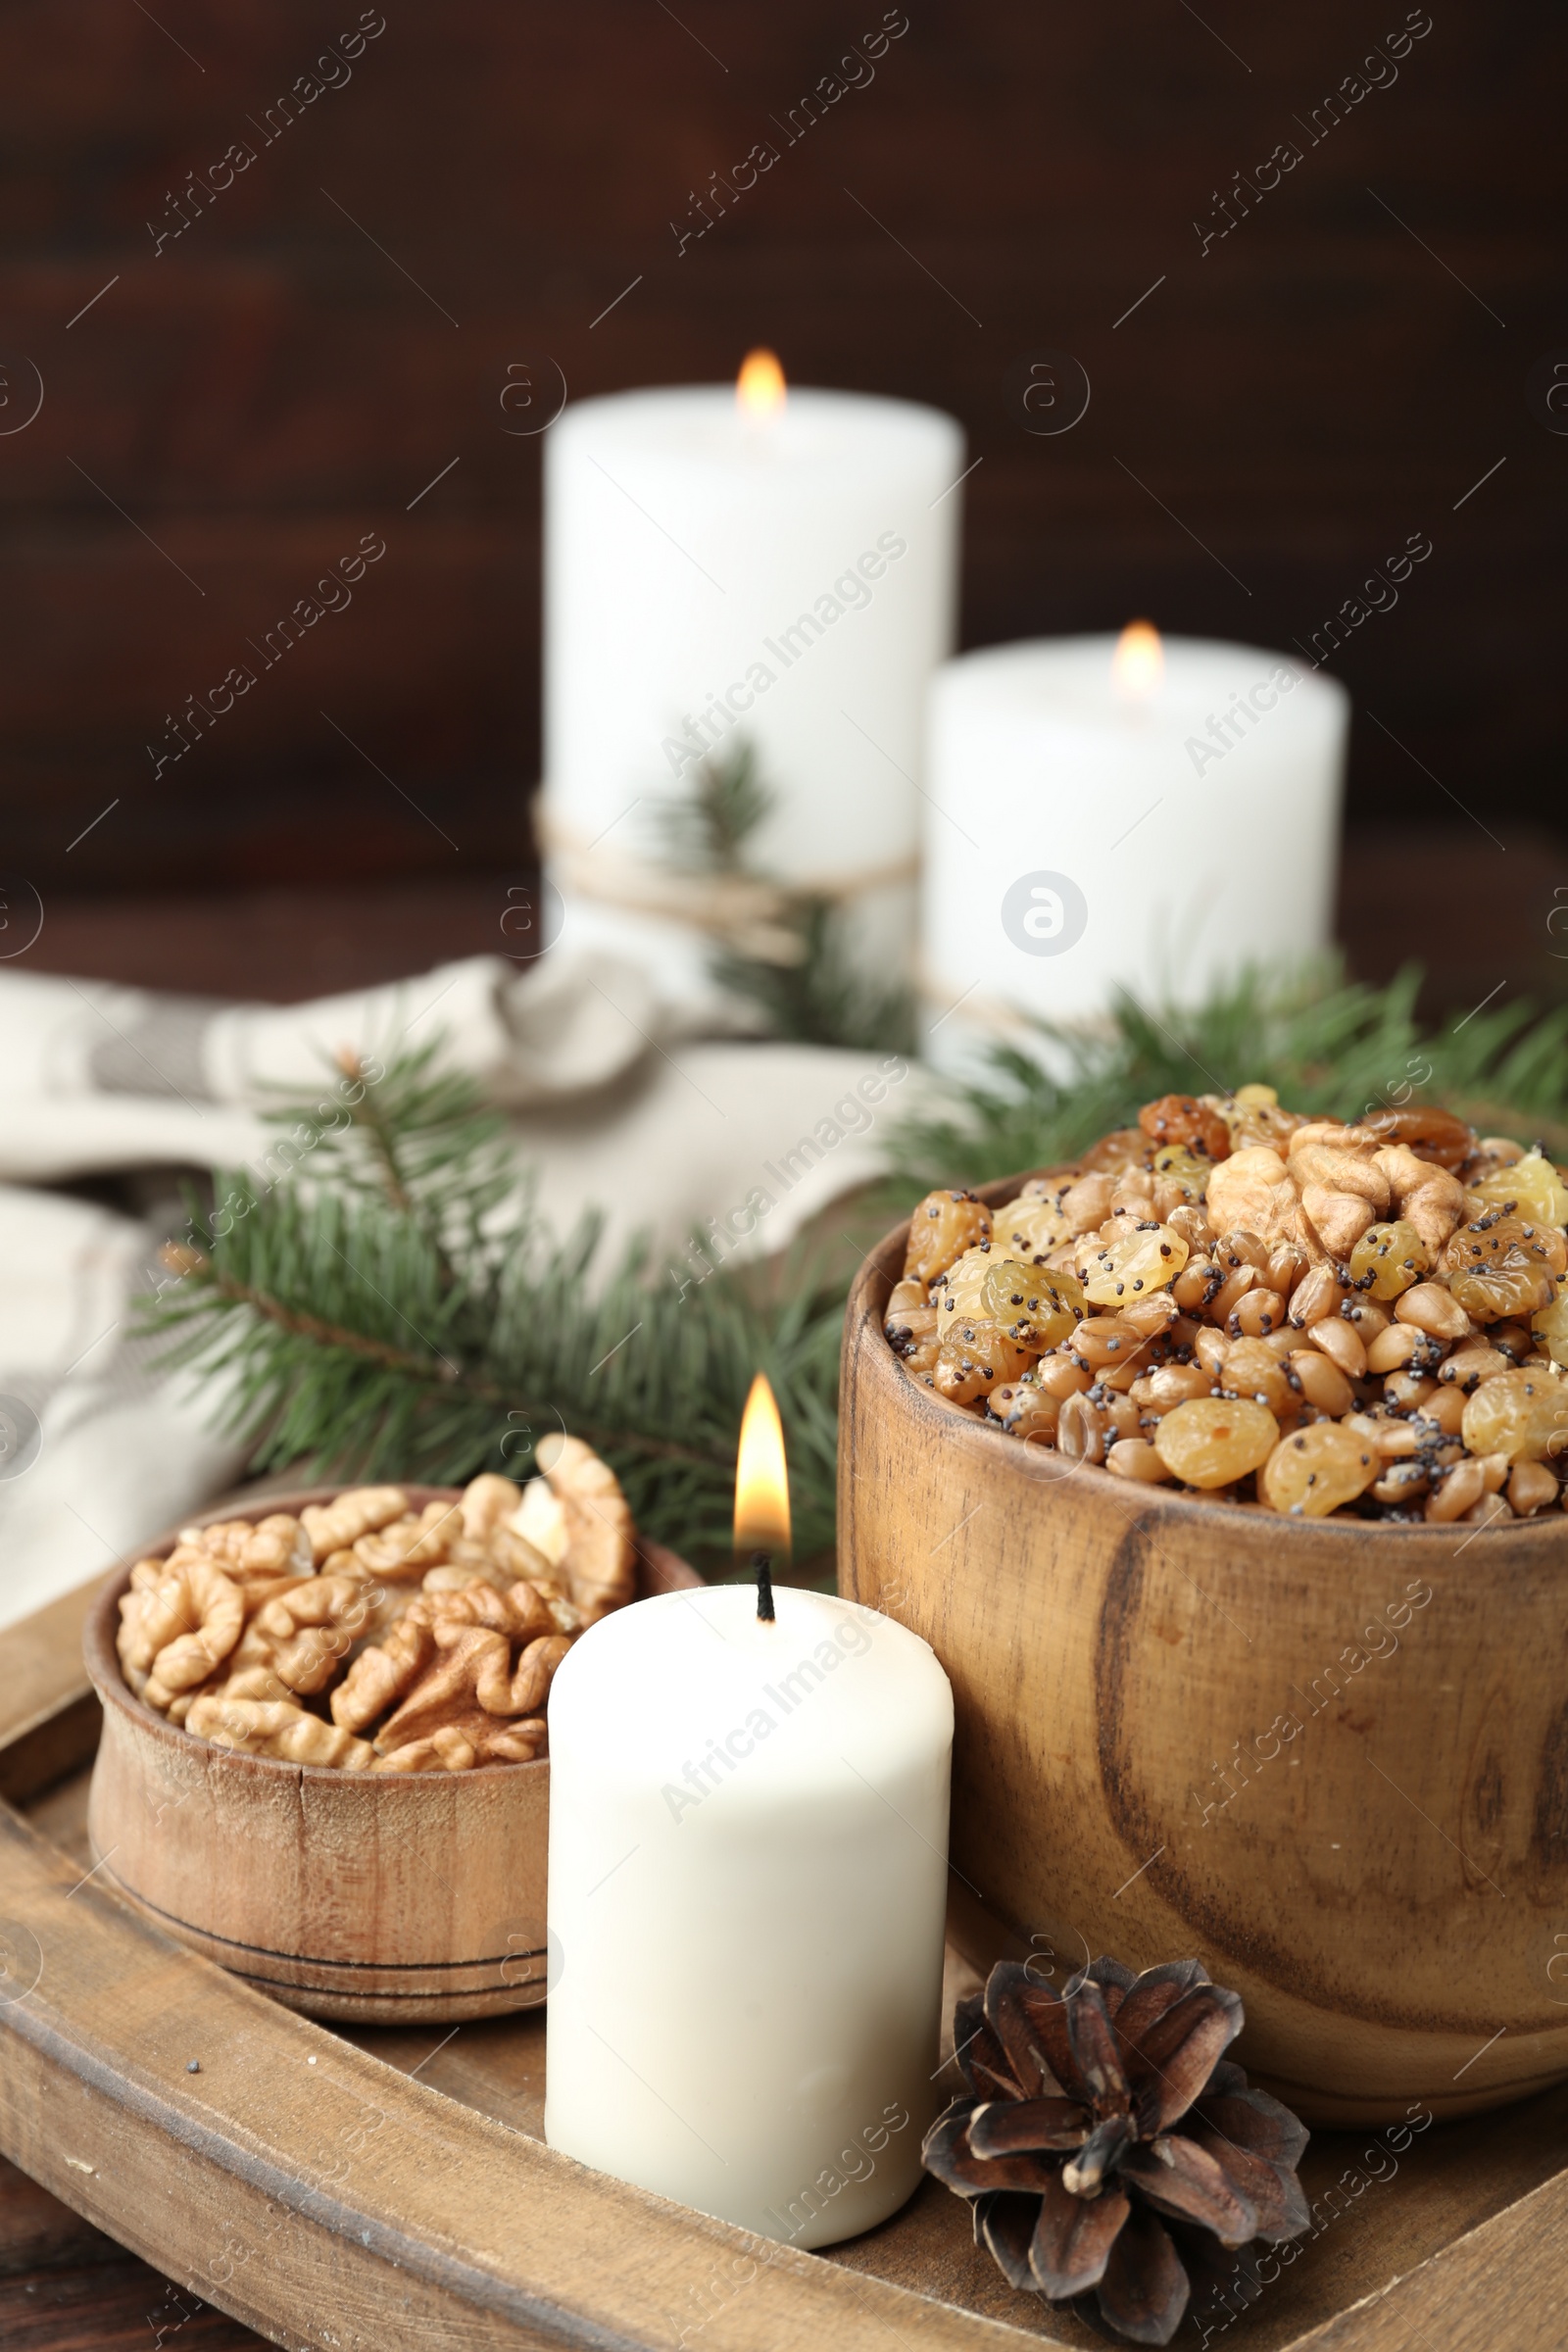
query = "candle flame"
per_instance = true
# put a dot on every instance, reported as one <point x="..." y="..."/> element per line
<point x="759" y="386"/>
<point x="761" y="1482"/>
<point x="1138" y="662"/>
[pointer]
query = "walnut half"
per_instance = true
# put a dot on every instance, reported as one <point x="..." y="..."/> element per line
<point x="297" y="1638"/>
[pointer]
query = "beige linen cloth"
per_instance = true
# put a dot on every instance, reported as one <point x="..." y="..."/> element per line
<point x="612" y="1104"/>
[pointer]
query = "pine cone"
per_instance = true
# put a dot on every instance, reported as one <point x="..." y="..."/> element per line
<point x="1099" y="2109"/>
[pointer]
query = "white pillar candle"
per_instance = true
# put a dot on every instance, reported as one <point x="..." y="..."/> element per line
<point x="1146" y="824"/>
<point x="747" y="1874"/>
<point x="714" y="573"/>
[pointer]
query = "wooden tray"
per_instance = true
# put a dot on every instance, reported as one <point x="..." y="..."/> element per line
<point x="349" y="2191"/>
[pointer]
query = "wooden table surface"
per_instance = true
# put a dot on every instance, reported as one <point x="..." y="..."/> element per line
<point x="65" y="2288"/>
<point x="1401" y="899"/>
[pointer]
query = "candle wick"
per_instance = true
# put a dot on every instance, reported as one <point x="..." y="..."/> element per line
<point x="762" y="1562"/>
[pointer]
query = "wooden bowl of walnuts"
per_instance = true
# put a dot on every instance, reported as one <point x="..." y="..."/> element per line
<point x="326" y="1738"/>
<point x="1222" y="1472"/>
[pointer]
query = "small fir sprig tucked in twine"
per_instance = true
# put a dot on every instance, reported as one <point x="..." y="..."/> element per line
<point x="398" y="1310"/>
<point x="811" y="990"/>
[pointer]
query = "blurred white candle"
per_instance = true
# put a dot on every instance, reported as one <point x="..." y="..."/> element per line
<point x="1154" y="824"/>
<point x="747" y="1881"/>
<point x="781" y="570"/>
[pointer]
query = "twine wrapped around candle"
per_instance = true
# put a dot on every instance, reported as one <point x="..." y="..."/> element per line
<point x="713" y="571"/>
<point x="748" y="913"/>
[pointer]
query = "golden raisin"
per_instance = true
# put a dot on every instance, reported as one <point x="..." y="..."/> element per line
<point x="1143" y="1259"/>
<point x="1255" y="1117"/>
<point x="1551" y="1328"/>
<point x="960" y="1289"/>
<point x="1029" y="1229"/>
<point x="1503" y="1266"/>
<point x="1318" y="1470"/>
<point x="1051" y="1312"/>
<point x="1212" y="1440"/>
<point x="1029" y="1306"/>
<point x="1123" y="1148"/>
<point x="975" y="1358"/>
<point x="1550" y="1243"/>
<point x="1389" y="1259"/>
<point x="1183" y="1119"/>
<point x="1432" y="1133"/>
<point x="1062" y="1305"/>
<point x="1523" y="1414"/>
<point x="1532" y="1185"/>
<point x="1185" y="1168"/>
<point x="941" y="1228"/>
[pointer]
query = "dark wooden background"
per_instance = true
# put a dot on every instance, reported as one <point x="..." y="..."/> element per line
<point x="283" y="377"/>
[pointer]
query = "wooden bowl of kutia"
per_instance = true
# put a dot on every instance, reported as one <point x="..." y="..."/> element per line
<point x="1221" y="1470"/>
<point x="324" y="1760"/>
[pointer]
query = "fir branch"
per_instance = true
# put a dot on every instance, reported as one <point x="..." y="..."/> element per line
<point x="297" y="1323"/>
<point x="428" y="1327"/>
<point x="419" y="1137"/>
<point x="1334" y="1048"/>
<point x="429" y="1336"/>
